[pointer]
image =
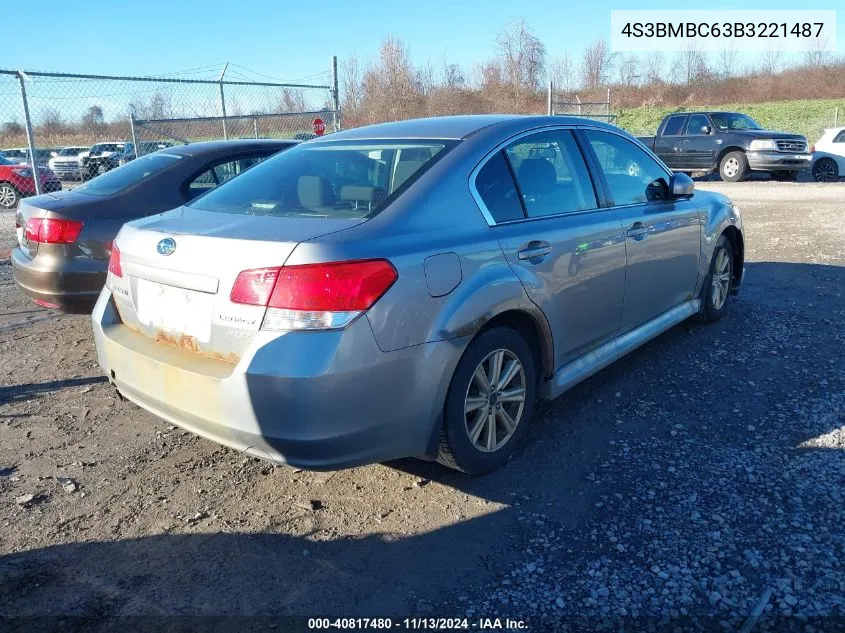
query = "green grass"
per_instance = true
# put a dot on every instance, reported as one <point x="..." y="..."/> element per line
<point x="808" y="117"/>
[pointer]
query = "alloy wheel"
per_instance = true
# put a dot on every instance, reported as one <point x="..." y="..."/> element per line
<point x="824" y="171"/>
<point x="8" y="196"/>
<point x="721" y="279"/>
<point x="495" y="400"/>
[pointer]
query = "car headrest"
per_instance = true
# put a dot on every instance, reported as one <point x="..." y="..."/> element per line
<point x="537" y="177"/>
<point x="314" y="192"/>
<point x="362" y="194"/>
<point x="404" y="170"/>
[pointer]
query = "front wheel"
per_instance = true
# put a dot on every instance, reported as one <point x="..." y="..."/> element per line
<point x="733" y="167"/>
<point x="825" y="170"/>
<point x="717" y="286"/>
<point x="489" y="403"/>
<point x="9" y="195"/>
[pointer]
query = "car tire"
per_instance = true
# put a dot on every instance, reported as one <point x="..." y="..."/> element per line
<point x="784" y="176"/>
<point x="733" y="167"/>
<point x="825" y="170"/>
<point x="9" y="195"/>
<point x="717" y="285"/>
<point x="466" y="442"/>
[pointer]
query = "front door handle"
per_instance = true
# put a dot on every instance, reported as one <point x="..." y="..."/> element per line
<point x="637" y="230"/>
<point x="535" y="250"/>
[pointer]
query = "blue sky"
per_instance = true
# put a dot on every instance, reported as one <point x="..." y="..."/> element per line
<point x="292" y="40"/>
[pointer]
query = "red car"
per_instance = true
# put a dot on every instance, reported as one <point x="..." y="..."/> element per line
<point x="16" y="182"/>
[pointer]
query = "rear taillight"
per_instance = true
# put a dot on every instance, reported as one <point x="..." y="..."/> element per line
<point x="314" y="296"/>
<point x="114" y="261"/>
<point x="52" y="230"/>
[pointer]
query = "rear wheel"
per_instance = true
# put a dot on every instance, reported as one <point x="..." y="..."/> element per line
<point x="717" y="286"/>
<point x="784" y="176"/>
<point x="9" y="195"/>
<point x="489" y="403"/>
<point x="825" y="170"/>
<point x="733" y="167"/>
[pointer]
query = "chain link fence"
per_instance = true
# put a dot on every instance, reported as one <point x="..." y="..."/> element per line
<point x="573" y="106"/>
<point x="65" y="122"/>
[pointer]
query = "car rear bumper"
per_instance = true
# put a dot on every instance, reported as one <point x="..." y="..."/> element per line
<point x="779" y="161"/>
<point x="321" y="400"/>
<point x="71" y="284"/>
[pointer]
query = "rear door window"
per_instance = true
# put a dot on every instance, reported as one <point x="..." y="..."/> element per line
<point x="551" y="174"/>
<point x="494" y="184"/>
<point x="674" y="125"/>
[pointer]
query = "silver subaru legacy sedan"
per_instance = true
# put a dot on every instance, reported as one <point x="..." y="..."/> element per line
<point x="410" y="288"/>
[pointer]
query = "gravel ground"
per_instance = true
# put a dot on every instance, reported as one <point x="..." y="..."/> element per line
<point x="696" y="480"/>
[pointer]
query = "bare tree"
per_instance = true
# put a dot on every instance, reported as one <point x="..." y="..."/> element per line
<point x="351" y="82"/>
<point x="629" y="70"/>
<point x="771" y="62"/>
<point x="690" y="65"/>
<point x="562" y="73"/>
<point x="727" y="61"/>
<point x="93" y="120"/>
<point x="453" y="76"/>
<point x="816" y="54"/>
<point x="598" y="64"/>
<point x="654" y="67"/>
<point x="522" y="57"/>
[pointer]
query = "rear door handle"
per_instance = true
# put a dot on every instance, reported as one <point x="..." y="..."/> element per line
<point x="637" y="230"/>
<point x="535" y="250"/>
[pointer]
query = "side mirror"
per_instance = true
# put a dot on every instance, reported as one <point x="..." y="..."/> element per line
<point x="705" y="129"/>
<point x="681" y="185"/>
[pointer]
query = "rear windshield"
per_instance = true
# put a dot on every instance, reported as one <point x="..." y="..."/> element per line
<point x="326" y="179"/>
<point x="127" y="175"/>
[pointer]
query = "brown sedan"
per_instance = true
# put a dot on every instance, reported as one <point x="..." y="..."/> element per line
<point x="64" y="238"/>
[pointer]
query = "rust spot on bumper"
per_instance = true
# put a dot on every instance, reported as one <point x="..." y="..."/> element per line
<point x="189" y="344"/>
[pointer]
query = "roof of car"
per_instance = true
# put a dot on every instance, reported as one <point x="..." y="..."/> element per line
<point x="450" y="127"/>
<point x="206" y="147"/>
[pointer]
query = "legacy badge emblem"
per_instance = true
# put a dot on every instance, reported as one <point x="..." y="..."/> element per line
<point x="166" y="246"/>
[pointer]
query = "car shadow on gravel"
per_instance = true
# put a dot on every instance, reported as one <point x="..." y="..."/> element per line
<point x="249" y="574"/>
<point x="27" y="392"/>
<point x="569" y="435"/>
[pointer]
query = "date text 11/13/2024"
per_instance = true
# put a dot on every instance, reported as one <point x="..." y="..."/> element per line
<point x="418" y="624"/>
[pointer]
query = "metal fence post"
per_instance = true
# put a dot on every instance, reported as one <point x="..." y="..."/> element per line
<point x="223" y="102"/>
<point x="30" y="136"/>
<point x="134" y="133"/>
<point x="335" y="96"/>
<point x="255" y="127"/>
<point x="549" y="105"/>
<point x="836" y="117"/>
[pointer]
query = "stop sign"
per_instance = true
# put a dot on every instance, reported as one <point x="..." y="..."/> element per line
<point x="319" y="127"/>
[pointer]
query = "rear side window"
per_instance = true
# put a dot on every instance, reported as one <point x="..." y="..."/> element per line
<point x="674" y="125"/>
<point x="326" y="179"/>
<point x="218" y="174"/>
<point x="496" y="188"/>
<point x="840" y="138"/>
<point x="551" y="174"/>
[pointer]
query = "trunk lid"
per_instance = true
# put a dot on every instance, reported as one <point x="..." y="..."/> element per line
<point x="178" y="269"/>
